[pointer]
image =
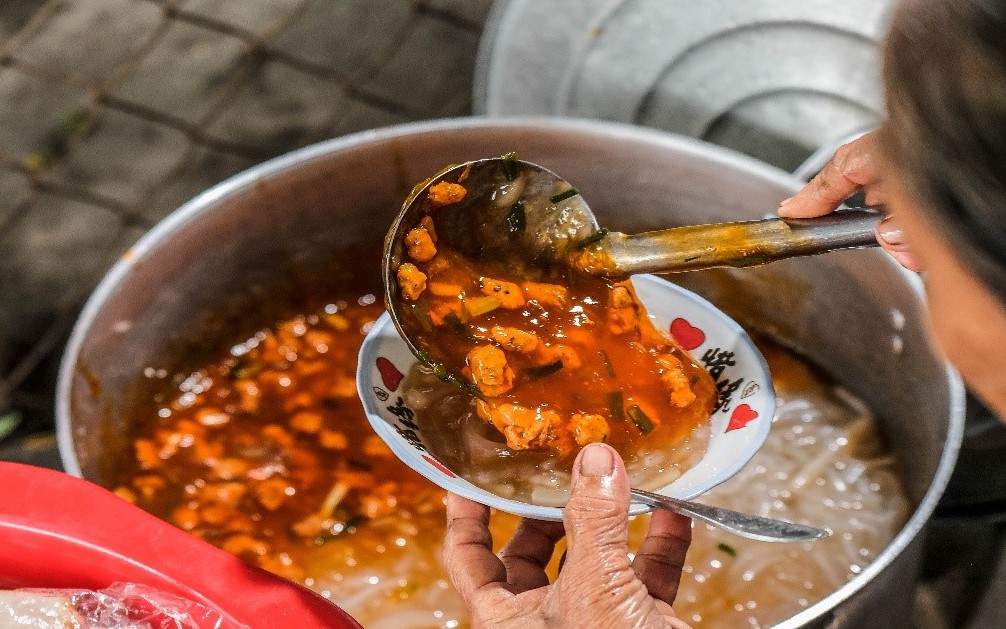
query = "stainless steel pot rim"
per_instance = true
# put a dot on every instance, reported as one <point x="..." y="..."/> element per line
<point x="191" y="210"/>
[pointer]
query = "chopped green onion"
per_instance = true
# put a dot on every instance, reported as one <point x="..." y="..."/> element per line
<point x="545" y="370"/>
<point x="591" y="239"/>
<point x="511" y="167"/>
<point x="608" y="367"/>
<point x="457" y="326"/>
<point x="467" y="387"/>
<point x="727" y="548"/>
<point x="562" y="196"/>
<point x="480" y="305"/>
<point x="445" y="376"/>
<point x="242" y="370"/>
<point x="640" y="419"/>
<point x="516" y="219"/>
<point x="754" y="259"/>
<point x="617" y="405"/>
<point x="419" y="311"/>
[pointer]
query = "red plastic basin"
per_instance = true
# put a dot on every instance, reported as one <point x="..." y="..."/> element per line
<point x="57" y="531"/>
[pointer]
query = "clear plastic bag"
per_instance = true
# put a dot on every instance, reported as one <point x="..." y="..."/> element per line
<point x="119" y="606"/>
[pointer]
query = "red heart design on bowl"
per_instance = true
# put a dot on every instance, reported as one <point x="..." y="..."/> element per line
<point x="741" y="416"/>
<point x="686" y="334"/>
<point x="390" y="375"/>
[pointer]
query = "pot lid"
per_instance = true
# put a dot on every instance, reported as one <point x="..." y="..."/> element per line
<point x="773" y="79"/>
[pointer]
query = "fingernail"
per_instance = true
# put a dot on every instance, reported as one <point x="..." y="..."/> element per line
<point x="890" y="232"/>
<point x="782" y="207"/>
<point x="596" y="460"/>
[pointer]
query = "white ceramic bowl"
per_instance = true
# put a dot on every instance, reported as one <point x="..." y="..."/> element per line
<point x="739" y="427"/>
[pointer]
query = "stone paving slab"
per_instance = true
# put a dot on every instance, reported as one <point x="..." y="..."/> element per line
<point x="63" y="45"/>
<point x="55" y="245"/>
<point x="359" y="116"/>
<point x="474" y="11"/>
<point x="203" y="168"/>
<point x="15" y="189"/>
<point x="279" y="105"/>
<point x="14" y="14"/>
<point x="185" y="73"/>
<point x="346" y="36"/>
<point x="425" y="73"/>
<point x="122" y="157"/>
<point x="32" y="110"/>
<point x="254" y="17"/>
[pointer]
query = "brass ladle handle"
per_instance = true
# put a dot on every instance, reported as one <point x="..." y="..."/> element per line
<point x="740" y="244"/>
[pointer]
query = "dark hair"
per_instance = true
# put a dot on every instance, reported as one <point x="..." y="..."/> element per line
<point x="945" y="81"/>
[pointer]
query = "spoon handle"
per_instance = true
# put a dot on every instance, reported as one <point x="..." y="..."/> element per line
<point x="741" y="244"/>
<point x="742" y="524"/>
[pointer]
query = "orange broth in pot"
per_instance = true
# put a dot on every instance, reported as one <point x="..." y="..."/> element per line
<point x="265" y="451"/>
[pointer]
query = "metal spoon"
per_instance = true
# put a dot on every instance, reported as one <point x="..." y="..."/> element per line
<point x="749" y="526"/>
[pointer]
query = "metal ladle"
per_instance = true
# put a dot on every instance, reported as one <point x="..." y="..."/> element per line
<point x="529" y="219"/>
<point x="526" y="217"/>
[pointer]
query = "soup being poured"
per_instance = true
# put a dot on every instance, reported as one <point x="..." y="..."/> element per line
<point x="556" y="363"/>
<point x="265" y="451"/>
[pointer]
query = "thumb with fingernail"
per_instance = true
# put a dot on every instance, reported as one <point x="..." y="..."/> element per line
<point x="596" y="516"/>
<point x="598" y="582"/>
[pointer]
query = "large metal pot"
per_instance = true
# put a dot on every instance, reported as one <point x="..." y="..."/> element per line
<point x="857" y="314"/>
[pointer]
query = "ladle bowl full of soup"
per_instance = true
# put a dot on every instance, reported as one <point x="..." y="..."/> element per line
<point x="210" y="381"/>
